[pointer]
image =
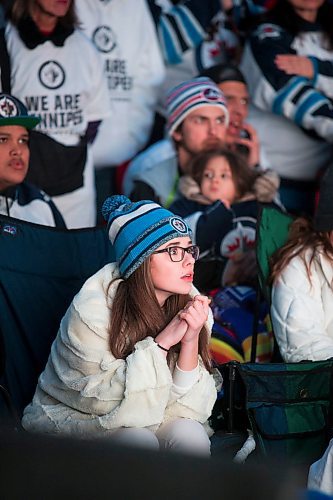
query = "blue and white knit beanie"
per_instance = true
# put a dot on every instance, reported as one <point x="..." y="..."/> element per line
<point x="137" y="229"/>
<point x="190" y="95"/>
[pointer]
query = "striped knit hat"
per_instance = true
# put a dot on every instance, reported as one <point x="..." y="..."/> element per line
<point x="190" y="95"/>
<point x="136" y="230"/>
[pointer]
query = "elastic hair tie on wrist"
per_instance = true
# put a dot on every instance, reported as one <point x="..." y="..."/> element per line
<point x="163" y="348"/>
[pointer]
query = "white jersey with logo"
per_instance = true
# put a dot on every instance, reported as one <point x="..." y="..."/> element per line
<point x="124" y="33"/>
<point x="65" y="86"/>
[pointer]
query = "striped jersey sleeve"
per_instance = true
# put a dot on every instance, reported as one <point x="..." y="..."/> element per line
<point x="297" y="98"/>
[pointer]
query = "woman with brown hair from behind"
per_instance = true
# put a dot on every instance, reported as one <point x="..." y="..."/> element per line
<point x="302" y="277"/>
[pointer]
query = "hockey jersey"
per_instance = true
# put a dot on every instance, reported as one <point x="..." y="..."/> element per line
<point x="308" y="103"/>
<point x="124" y="34"/>
<point x="63" y="83"/>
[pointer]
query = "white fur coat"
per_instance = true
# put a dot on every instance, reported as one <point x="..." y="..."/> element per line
<point x="85" y="391"/>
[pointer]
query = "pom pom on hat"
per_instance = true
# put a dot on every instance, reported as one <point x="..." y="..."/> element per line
<point x="112" y="203"/>
<point x="137" y="229"/>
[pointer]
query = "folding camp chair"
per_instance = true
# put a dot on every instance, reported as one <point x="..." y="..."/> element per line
<point x="271" y="234"/>
<point x="41" y="269"/>
<point x="287" y="405"/>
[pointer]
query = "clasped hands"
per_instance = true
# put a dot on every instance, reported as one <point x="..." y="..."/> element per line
<point x="185" y="327"/>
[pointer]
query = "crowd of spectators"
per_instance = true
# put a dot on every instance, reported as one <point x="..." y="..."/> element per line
<point x="206" y="108"/>
<point x="100" y="86"/>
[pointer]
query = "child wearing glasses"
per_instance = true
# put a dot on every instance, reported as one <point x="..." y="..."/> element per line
<point x="131" y="359"/>
<point x="219" y="201"/>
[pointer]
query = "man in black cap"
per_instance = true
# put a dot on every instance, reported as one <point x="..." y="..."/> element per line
<point x="240" y="133"/>
<point x="18" y="198"/>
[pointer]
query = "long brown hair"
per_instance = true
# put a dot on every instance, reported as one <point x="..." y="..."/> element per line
<point x="302" y="237"/>
<point x="242" y="175"/>
<point x="136" y="314"/>
<point x="285" y="15"/>
<point x="23" y="8"/>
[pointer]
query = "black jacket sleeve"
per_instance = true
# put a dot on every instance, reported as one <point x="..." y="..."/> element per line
<point x="142" y="191"/>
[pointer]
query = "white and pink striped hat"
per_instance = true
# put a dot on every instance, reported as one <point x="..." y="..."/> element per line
<point x="190" y="95"/>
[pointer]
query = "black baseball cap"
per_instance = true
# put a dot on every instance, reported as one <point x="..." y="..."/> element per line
<point x="224" y="73"/>
<point x="13" y="112"/>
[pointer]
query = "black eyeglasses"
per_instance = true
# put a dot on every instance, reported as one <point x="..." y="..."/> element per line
<point x="177" y="254"/>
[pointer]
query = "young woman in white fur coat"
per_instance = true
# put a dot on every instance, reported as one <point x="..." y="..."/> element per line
<point x="131" y="359"/>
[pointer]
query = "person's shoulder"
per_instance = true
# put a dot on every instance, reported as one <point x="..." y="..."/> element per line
<point x="101" y="280"/>
<point x="89" y="311"/>
<point x="268" y="31"/>
<point x="81" y="35"/>
<point x="26" y="193"/>
<point x="295" y="271"/>
<point x="81" y="38"/>
<point x="96" y="294"/>
<point x="247" y="208"/>
<point x="34" y="205"/>
<point x="184" y="207"/>
<point x="315" y="268"/>
<point x="155" y="163"/>
<point x="158" y="152"/>
<point x="324" y="263"/>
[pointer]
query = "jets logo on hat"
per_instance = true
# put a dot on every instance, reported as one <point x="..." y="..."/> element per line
<point x="8" y="229"/>
<point x="51" y="75"/>
<point x="104" y="39"/>
<point x="7" y="107"/>
<point x="211" y="94"/>
<point x="178" y="225"/>
<point x="268" y="31"/>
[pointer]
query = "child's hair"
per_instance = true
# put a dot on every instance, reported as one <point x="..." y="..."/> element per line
<point x="242" y="175"/>
<point x="136" y="314"/>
